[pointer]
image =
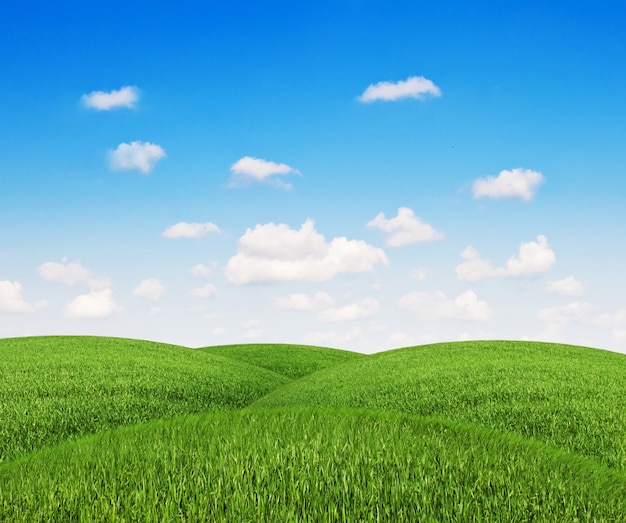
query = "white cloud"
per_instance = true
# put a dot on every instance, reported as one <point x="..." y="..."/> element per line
<point x="152" y="289"/>
<point x="419" y="274"/>
<point x="273" y="252"/>
<point x="70" y="274"/>
<point x="11" y="298"/>
<point x="518" y="183"/>
<point x="201" y="271"/>
<point x="614" y="319"/>
<point x="190" y="230"/>
<point x="413" y="87"/>
<point x="405" y="228"/>
<point x="364" y="308"/>
<point x="304" y="302"/>
<point x="138" y="155"/>
<point x="96" y="304"/>
<point x="104" y="101"/>
<point x="432" y="306"/>
<point x="249" y="169"/>
<point x="207" y="291"/>
<point x="569" y="286"/>
<point x="561" y="316"/>
<point x="532" y="258"/>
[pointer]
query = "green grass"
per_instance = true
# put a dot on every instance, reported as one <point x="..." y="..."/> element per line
<point x="308" y="466"/>
<point x="570" y="397"/>
<point x="56" y="388"/>
<point x="293" y="361"/>
<point x="110" y="429"/>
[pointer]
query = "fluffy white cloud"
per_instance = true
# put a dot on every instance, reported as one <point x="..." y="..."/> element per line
<point x="364" y="308"/>
<point x="304" y="302"/>
<point x="249" y="169"/>
<point x="138" y="155"/>
<point x="413" y="87"/>
<point x="405" y="228"/>
<point x="201" y="271"/>
<point x="96" y="304"/>
<point x="70" y="274"/>
<point x="11" y="299"/>
<point x="151" y="289"/>
<point x="104" y="101"/>
<point x="204" y="292"/>
<point x="432" y="306"/>
<point x="274" y="252"/>
<point x="569" y="286"/>
<point x="532" y="258"/>
<point x="190" y="230"/>
<point x="518" y="183"/>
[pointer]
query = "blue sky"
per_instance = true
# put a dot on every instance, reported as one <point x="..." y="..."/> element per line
<point x="356" y="174"/>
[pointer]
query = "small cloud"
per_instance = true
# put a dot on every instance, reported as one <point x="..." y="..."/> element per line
<point x="561" y="316"/>
<point x="419" y="274"/>
<point x="532" y="258"/>
<point x="137" y="155"/>
<point x="200" y="271"/>
<point x="96" y="304"/>
<point x="70" y="273"/>
<point x="249" y="169"/>
<point x="152" y="289"/>
<point x="207" y="291"/>
<point x="274" y="252"/>
<point x="105" y="101"/>
<point x="416" y="87"/>
<point x="304" y="302"/>
<point x="433" y="306"/>
<point x="364" y="308"/>
<point x="569" y="286"/>
<point x="405" y="228"/>
<point x="11" y="298"/>
<point x="518" y="183"/>
<point x="190" y="230"/>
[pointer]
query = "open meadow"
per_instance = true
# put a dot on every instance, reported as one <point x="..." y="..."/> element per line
<point x="111" y="429"/>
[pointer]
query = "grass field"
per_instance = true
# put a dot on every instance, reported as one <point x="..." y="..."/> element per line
<point x="109" y="429"/>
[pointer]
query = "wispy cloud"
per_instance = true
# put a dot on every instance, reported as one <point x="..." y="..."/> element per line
<point x="105" y="101"/>
<point x="569" y="286"/>
<point x="70" y="273"/>
<point x="304" y="302"/>
<point x="364" y="308"/>
<point x="413" y="87"/>
<point x="207" y="291"/>
<point x="532" y="258"/>
<point x="137" y="155"/>
<point x="518" y="183"/>
<point x="272" y="252"/>
<point x="11" y="299"/>
<point x="433" y="306"/>
<point x="190" y="230"/>
<point x="151" y="289"/>
<point x="249" y="170"/>
<point x="405" y="228"/>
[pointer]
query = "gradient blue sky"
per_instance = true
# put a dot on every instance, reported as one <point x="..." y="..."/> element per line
<point x="528" y="90"/>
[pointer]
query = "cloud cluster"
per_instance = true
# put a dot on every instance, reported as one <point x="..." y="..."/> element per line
<point x="433" y="306"/>
<point x="249" y="170"/>
<point x="532" y="258"/>
<point x="11" y="299"/>
<point x="137" y="155"/>
<point x="518" y="183"/>
<point x="275" y="252"/>
<point x="405" y="228"/>
<point x="98" y="303"/>
<point x="105" y="101"/>
<point x="413" y="87"/>
<point x="190" y="230"/>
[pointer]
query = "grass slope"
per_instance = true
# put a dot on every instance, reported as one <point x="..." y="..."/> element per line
<point x="293" y="361"/>
<point x="308" y="466"/>
<point x="60" y="387"/>
<point x="571" y="397"/>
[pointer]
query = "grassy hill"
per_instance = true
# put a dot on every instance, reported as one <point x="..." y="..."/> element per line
<point x="293" y="361"/>
<point x="109" y="429"/>
<point x="567" y="396"/>
<point x="57" y="387"/>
